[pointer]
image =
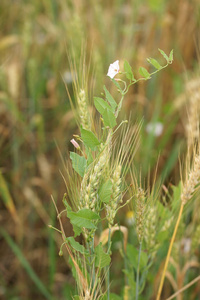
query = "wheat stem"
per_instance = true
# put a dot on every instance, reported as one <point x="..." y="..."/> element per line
<point x="169" y="252"/>
<point x="138" y="273"/>
<point x="108" y="273"/>
<point x="184" y="288"/>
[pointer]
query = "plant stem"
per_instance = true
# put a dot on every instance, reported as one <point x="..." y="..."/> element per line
<point x="108" y="271"/>
<point x="93" y="265"/>
<point x="169" y="252"/>
<point x="138" y="272"/>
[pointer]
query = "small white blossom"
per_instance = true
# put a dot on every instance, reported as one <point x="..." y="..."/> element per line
<point x="113" y="69"/>
<point x="155" y="128"/>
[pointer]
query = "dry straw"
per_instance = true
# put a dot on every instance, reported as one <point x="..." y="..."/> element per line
<point x="189" y="187"/>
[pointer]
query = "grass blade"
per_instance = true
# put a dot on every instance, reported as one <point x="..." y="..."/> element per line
<point x="41" y="287"/>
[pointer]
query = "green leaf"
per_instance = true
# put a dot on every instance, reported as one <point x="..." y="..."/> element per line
<point x="155" y="63"/>
<point x="132" y="254"/>
<point x="171" y="56"/>
<point x="89" y="156"/>
<point x="117" y="85"/>
<point x="176" y="196"/>
<point x="102" y="259"/>
<point x="164" y="55"/>
<point x="83" y="218"/>
<point x="128" y="70"/>
<point x="144" y="73"/>
<point x="162" y="236"/>
<point x="130" y="274"/>
<point x="78" y="247"/>
<point x="143" y="259"/>
<point x="77" y="230"/>
<point x="101" y="104"/>
<point x="109" y="118"/>
<point x="110" y="99"/>
<point x="89" y="138"/>
<point x="105" y="191"/>
<point x="78" y="163"/>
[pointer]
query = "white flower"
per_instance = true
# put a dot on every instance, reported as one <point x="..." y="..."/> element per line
<point x="113" y="69"/>
<point x="155" y="128"/>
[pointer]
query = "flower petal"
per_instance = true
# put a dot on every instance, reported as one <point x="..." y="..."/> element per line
<point x="113" y="69"/>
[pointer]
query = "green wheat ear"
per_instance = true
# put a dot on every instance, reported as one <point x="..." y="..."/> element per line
<point x="140" y="206"/>
<point x="116" y="198"/>
<point x="83" y="108"/>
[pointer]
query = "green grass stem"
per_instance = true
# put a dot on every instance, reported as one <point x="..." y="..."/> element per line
<point x="138" y="273"/>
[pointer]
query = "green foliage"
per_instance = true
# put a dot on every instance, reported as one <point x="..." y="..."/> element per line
<point x="36" y="116"/>
<point x="117" y="85"/>
<point x="132" y="254"/>
<point x="105" y="191"/>
<point x="89" y="139"/>
<point x="78" y="163"/>
<point x="106" y="110"/>
<point x="83" y="218"/>
<point x="155" y="63"/>
<point x="164" y="54"/>
<point x="89" y="156"/>
<point x="162" y="236"/>
<point x="101" y="105"/>
<point x="144" y="73"/>
<point x="169" y="58"/>
<point x="110" y="99"/>
<point x="97" y="188"/>
<point x="102" y="259"/>
<point x="77" y="229"/>
<point x="109" y="118"/>
<point x="76" y="246"/>
<point x="176" y="196"/>
<point x="128" y="70"/>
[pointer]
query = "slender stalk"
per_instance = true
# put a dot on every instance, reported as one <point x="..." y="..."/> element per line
<point x="119" y="106"/>
<point x="93" y="267"/>
<point x="184" y="288"/>
<point x="138" y="273"/>
<point x="169" y="252"/>
<point x="108" y="271"/>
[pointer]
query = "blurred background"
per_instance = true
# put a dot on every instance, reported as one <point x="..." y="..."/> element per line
<point x="41" y="43"/>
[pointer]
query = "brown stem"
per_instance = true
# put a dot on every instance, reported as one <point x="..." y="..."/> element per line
<point x="169" y="253"/>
